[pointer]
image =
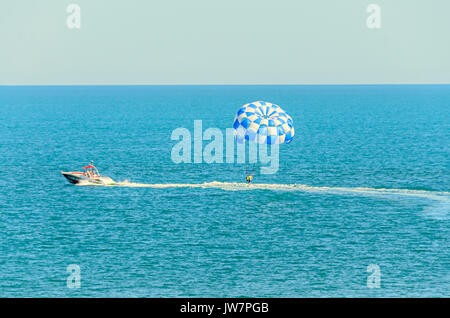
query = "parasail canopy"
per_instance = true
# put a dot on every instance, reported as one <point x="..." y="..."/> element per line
<point x="264" y="123"/>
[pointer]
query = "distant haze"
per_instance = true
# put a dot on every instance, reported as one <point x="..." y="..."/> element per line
<point x="224" y="42"/>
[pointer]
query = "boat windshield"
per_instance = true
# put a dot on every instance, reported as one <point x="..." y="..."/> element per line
<point x="91" y="171"/>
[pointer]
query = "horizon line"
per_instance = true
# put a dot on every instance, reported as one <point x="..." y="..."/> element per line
<point x="221" y="84"/>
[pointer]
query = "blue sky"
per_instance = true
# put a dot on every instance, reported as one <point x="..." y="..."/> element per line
<point x="224" y="42"/>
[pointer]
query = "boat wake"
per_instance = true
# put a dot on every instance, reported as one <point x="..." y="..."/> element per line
<point x="235" y="186"/>
<point x="442" y="198"/>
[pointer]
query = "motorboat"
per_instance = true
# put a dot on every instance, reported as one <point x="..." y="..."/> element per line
<point x="90" y="175"/>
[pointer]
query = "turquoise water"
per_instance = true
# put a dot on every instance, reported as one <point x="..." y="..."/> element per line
<point x="365" y="181"/>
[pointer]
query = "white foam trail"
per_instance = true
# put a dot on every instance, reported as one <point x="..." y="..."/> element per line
<point x="443" y="197"/>
<point x="276" y="186"/>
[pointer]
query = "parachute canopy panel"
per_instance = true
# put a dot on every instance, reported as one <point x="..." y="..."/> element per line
<point x="264" y="123"/>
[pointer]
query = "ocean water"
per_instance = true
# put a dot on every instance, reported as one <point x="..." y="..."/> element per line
<point x="365" y="181"/>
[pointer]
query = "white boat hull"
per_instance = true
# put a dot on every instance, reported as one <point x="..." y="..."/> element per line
<point x="80" y="177"/>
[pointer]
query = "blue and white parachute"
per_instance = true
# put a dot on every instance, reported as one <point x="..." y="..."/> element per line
<point x="264" y="123"/>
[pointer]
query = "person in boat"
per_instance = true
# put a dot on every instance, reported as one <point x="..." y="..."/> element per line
<point x="90" y="173"/>
<point x="249" y="179"/>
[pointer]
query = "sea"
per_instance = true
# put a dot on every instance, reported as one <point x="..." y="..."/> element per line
<point x="359" y="206"/>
